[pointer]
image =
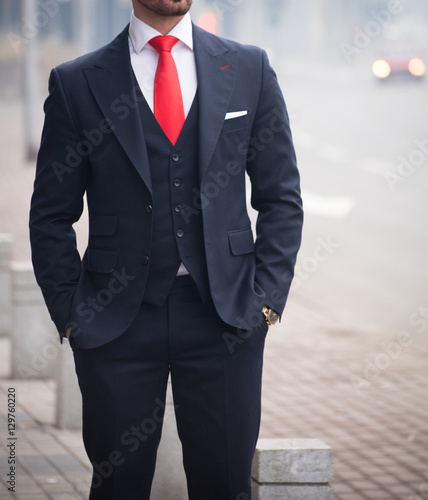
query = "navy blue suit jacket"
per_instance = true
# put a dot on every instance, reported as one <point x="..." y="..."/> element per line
<point x="93" y="143"/>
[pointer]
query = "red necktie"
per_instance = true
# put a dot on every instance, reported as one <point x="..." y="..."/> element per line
<point x="168" y="101"/>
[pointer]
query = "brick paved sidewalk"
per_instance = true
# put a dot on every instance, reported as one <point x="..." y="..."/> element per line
<point x="378" y="432"/>
<point x="360" y="391"/>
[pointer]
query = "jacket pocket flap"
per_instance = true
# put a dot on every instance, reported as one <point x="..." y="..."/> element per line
<point x="101" y="261"/>
<point x="103" y="225"/>
<point x="241" y="241"/>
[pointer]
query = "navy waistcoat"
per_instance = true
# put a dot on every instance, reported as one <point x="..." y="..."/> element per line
<point x="177" y="234"/>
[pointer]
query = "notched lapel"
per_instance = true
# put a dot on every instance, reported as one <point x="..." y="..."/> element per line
<point x="216" y="69"/>
<point x="117" y="94"/>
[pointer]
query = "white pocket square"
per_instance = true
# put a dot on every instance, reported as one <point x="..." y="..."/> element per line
<point x="235" y="114"/>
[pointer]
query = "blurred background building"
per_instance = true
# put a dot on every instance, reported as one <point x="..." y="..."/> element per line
<point x="308" y="28"/>
<point x="292" y="26"/>
<point x="35" y="35"/>
<point x="346" y="125"/>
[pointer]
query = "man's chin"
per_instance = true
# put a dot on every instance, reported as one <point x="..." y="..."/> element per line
<point x="167" y="7"/>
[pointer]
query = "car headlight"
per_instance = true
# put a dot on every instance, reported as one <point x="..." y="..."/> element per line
<point x="417" y="67"/>
<point x="381" y="69"/>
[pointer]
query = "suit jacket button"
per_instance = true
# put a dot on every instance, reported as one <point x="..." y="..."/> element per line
<point x="180" y="233"/>
<point x="145" y="259"/>
<point x="178" y="209"/>
<point x="149" y="209"/>
<point x="177" y="258"/>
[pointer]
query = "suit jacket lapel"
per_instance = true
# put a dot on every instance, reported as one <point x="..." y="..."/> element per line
<point x="216" y="70"/>
<point x="115" y="89"/>
<point x="117" y="93"/>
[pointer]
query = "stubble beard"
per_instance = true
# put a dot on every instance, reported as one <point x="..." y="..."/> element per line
<point x="167" y="8"/>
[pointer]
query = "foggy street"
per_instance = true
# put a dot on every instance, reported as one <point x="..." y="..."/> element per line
<point x="351" y="132"/>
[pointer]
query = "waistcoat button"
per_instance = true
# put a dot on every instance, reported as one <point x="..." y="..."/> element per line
<point x="177" y="183"/>
<point x="180" y="233"/>
<point x="145" y="259"/>
<point x="175" y="157"/>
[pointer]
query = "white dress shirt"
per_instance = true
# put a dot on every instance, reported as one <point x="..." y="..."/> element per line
<point x="144" y="61"/>
<point x="144" y="58"/>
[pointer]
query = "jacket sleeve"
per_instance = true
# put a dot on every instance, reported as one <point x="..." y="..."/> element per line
<point x="57" y="203"/>
<point x="272" y="168"/>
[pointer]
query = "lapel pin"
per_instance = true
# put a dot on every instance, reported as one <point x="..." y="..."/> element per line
<point x="226" y="67"/>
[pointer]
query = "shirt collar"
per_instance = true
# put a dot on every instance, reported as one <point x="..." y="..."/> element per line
<point x="141" y="33"/>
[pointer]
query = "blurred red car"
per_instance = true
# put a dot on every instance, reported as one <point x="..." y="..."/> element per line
<point x="399" y="61"/>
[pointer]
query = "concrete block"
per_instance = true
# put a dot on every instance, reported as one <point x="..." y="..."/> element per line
<point x="5" y="284"/>
<point x="68" y="397"/>
<point x="34" y="338"/>
<point x="169" y="482"/>
<point x="292" y="492"/>
<point x="292" y="461"/>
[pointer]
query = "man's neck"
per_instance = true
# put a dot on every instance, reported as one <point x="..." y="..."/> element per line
<point x="163" y="24"/>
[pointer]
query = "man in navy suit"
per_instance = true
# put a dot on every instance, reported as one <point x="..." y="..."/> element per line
<point x="173" y="281"/>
